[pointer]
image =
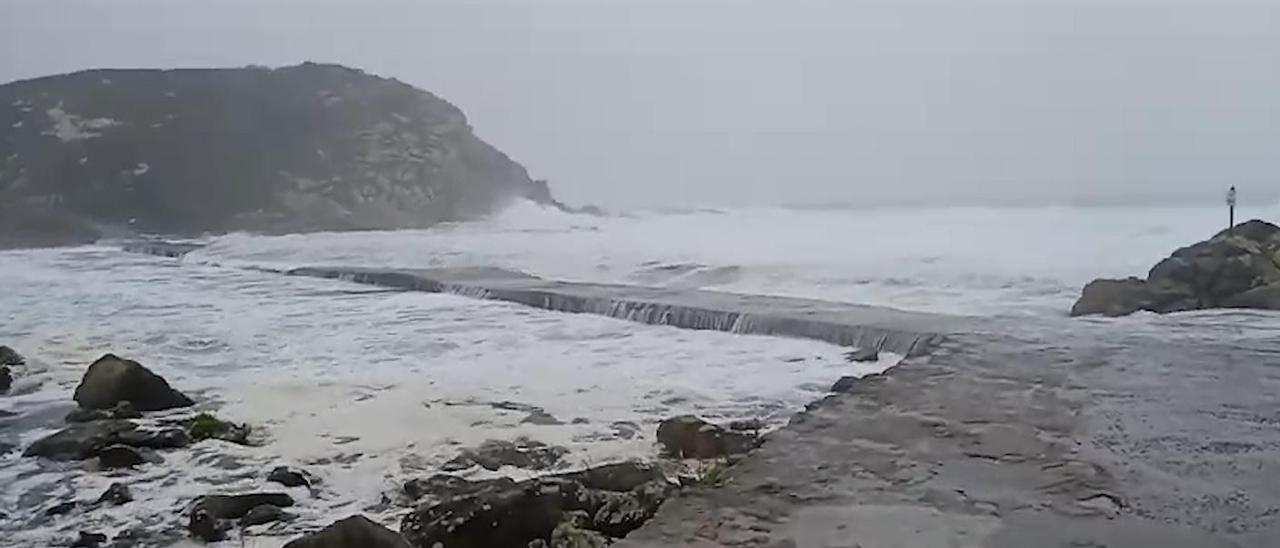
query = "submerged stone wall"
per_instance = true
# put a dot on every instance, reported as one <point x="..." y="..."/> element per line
<point x="845" y="324"/>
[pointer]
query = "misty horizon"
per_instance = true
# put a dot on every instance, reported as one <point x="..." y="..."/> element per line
<point x="661" y="104"/>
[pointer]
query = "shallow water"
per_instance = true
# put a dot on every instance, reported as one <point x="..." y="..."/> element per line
<point x="366" y="387"/>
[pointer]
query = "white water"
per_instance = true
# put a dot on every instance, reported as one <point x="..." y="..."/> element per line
<point x="354" y="383"/>
<point x="963" y="260"/>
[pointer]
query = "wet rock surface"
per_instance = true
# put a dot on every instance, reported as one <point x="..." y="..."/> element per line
<point x="123" y="456"/>
<point x="1061" y="434"/>
<point x="688" y="436"/>
<point x="9" y="356"/>
<point x="212" y="516"/>
<point x="6" y="379"/>
<point x="236" y="506"/>
<point x="111" y="380"/>
<point x="352" y="532"/>
<point x="79" y="441"/>
<point x="1237" y="268"/>
<point x="89" y="540"/>
<point x="520" y="453"/>
<point x="116" y="494"/>
<point x="586" y="508"/>
<point x="288" y="477"/>
<point x="262" y="515"/>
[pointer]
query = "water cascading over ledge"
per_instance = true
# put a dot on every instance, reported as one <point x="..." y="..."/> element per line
<point x="845" y="324"/>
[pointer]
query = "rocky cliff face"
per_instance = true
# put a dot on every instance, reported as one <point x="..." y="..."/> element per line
<point x="1237" y="268"/>
<point x="310" y="147"/>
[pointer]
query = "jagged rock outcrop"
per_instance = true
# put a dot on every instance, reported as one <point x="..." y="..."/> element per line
<point x="352" y="532"/>
<point x="581" y="509"/>
<point x="111" y="380"/>
<point x="687" y="436"/>
<point x="84" y="440"/>
<point x="1237" y="268"/>
<point x="308" y="147"/>
<point x="211" y="516"/>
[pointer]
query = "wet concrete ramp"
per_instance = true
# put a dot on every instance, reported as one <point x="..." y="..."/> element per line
<point x="1053" y="434"/>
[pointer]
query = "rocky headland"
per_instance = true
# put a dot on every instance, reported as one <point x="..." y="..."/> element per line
<point x="302" y="148"/>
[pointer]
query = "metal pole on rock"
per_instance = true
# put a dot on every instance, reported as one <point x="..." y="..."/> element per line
<point x="1231" y="210"/>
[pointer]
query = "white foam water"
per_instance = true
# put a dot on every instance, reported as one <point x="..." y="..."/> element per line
<point x="956" y="260"/>
<point x="365" y="387"/>
<point x="360" y="386"/>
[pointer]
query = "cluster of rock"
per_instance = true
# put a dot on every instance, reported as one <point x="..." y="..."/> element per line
<point x="576" y="509"/>
<point x="103" y="429"/>
<point x="112" y="392"/>
<point x="588" y="508"/>
<point x="1237" y="268"/>
<point x="582" y="509"/>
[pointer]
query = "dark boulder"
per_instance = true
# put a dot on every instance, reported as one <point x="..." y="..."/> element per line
<point x="501" y="514"/>
<point x="1123" y="297"/>
<point x="1234" y="269"/>
<point x="9" y="356"/>
<point x="687" y="436"/>
<point x="211" y="516"/>
<point x="288" y="477"/>
<point x="264" y="514"/>
<point x="521" y="453"/>
<point x="123" y="456"/>
<point x="116" y="494"/>
<point x="586" y="508"/>
<point x="236" y="506"/>
<point x="6" y="378"/>
<point x="79" y="441"/>
<point x="89" y="540"/>
<point x="202" y="525"/>
<point x="352" y="532"/>
<point x="111" y="380"/>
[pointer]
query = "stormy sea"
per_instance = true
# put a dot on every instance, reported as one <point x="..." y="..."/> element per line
<point x="364" y="387"/>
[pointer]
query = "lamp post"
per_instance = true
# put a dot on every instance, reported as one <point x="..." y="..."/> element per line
<point x="1231" y="210"/>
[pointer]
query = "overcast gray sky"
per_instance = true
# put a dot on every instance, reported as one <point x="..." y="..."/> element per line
<point x="702" y="102"/>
